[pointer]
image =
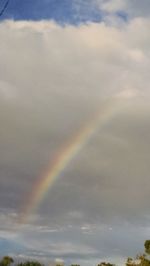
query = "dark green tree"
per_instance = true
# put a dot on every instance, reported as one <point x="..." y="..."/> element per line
<point x="105" y="264"/>
<point x="30" y="263"/>
<point x="6" y="261"/>
<point x="147" y="246"/>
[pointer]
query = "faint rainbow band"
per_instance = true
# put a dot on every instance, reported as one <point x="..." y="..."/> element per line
<point x="40" y="188"/>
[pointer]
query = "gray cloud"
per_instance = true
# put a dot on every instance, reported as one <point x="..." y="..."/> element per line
<point x="52" y="79"/>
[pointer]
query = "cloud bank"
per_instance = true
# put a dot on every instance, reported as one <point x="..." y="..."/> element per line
<point x="52" y="79"/>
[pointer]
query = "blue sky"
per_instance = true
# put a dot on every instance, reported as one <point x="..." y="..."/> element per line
<point x="74" y="11"/>
<point x="61" y="11"/>
<point x="67" y="11"/>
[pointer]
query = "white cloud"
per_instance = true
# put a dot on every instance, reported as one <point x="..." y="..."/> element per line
<point x="129" y="9"/>
<point x="113" y="5"/>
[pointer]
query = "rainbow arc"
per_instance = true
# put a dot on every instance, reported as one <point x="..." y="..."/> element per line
<point x="65" y="156"/>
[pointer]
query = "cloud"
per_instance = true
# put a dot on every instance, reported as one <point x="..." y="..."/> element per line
<point x="134" y="8"/>
<point x="113" y="6"/>
<point x="52" y="79"/>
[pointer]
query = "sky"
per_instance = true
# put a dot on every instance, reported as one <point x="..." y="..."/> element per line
<point x="74" y="81"/>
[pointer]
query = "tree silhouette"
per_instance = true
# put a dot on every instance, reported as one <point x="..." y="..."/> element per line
<point x="30" y="263"/>
<point x="105" y="264"/>
<point x="147" y="246"/>
<point x="6" y="261"/>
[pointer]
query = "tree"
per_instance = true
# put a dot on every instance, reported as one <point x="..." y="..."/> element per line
<point x="147" y="246"/>
<point x="130" y="262"/>
<point x="6" y="261"/>
<point x="140" y="260"/>
<point x="105" y="264"/>
<point x="30" y="263"/>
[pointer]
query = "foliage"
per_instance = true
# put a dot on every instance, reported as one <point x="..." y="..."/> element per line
<point x="140" y="260"/>
<point x="30" y="263"/>
<point x="147" y="246"/>
<point x="105" y="264"/>
<point x="6" y="261"/>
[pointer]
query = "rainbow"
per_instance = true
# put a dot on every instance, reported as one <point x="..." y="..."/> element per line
<point x="65" y="156"/>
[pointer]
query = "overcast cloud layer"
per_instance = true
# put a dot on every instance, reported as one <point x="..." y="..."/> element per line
<point x="52" y="79"/>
